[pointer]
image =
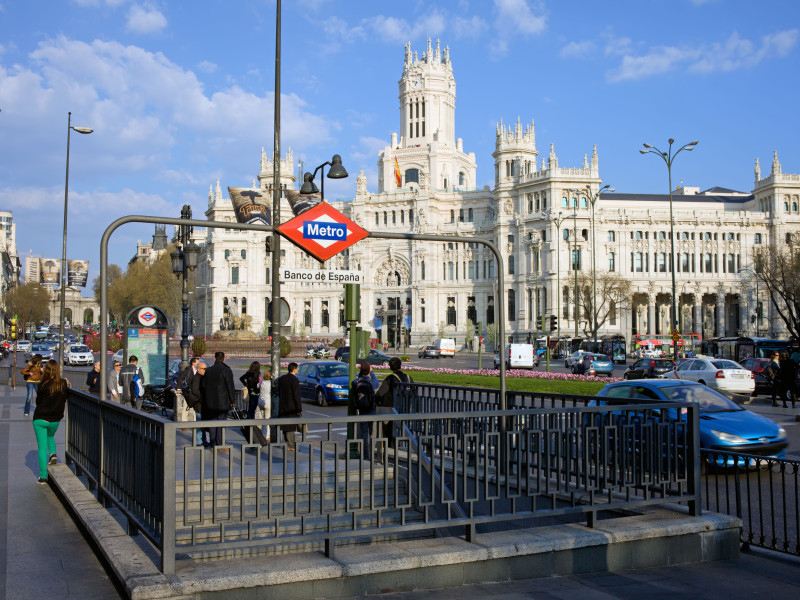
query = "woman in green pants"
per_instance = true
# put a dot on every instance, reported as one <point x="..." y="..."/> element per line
<point x="50" y="402"/>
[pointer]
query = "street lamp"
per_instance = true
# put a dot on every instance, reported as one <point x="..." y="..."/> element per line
<point x="184" y="260"/>
<point x="757" y="313"/>
<point x="593" y="199"/>
<point x="336" y="171"/>
<point x="64" y="271"/>
<point x="558" y="221"/>
<point x="275" y="324"/>
<point x="668" y="157"/>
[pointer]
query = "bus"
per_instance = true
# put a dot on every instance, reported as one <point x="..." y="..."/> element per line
<point x="689" y="343"/>
<point x="741" y="348"/>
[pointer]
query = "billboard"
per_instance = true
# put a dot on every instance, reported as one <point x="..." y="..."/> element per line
<point x="250" y="205"/>
<point x="49" y="271"/>
<point x="77" y="272"/>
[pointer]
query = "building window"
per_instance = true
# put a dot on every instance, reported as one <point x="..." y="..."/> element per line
<point x="662" y="262"/>
<point x="244" y="306"/>
<point x="575" y="263"/>
<point x="324" y="314"/>
<point x="452" y="216"/>
<point x="708" y="264"/>
<point x="377" y="220"/>
<point x="612" y="262"/>
<point x="511" y="265"/>
<point x="410" y="216"/>
<point x="757" y="239"/>
<point x="490" y="310"/>
<point x="412" y="175"/>
<point x="565" y="302"/>
<point x="451" y="271"/>
<point x="422" y="268"/>
<point x="451" y="310"/>
<point x="685" y="262"/>
<point x="394" y="218"/>
<point x="612" y="237"/>
<point x="512" y="305"/>
<point x="461" y="178"/>
<point x="227" y="254"/>
<point x="341" y="313"/>
<point x="460" y="215"/>
<point x="234" y="275"/>
<point x="564" y="203"/>
<point x="491" y="268"/>
<point x="638" y="263"/>
<point x="612" y="312"/>
<point x="385" y="218"/>
<point x="269" y="276"/>
<point x="470" y="215"/>
<point x="307" y="313"/>
<point x="402" y="217"/>
<point x="244" y="254"/>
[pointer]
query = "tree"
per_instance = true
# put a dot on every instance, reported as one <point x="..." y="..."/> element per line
<point x="114" y="272"/>
<point x="29" y="302"/>
<point x="469" y="333"/>
<point x="492" y="333"/>
<point x="779" y="270"/>
<point x="442" y="329"/>
<point x="611" y="290"/>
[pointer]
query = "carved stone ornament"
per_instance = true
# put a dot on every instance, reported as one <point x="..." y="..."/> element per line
<point x="394" y="265"/>
<point x="508" y="207"/>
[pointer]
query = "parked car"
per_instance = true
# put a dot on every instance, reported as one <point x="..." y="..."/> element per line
<point x="375" y="357"/>
<point x="649" y="368"/>
<point x="339" y="351"/>
<point x="723" y="375"/>
<point x="326" y="382"/>
<point x="756" y="366"/>
<point x="724" y="425"/>
<point x="576" y="356"/>
<point x="78" y="354"/>
<point x="117" y="356"/>
<point x="594" y="364"/>
<point x="428" y="352"/>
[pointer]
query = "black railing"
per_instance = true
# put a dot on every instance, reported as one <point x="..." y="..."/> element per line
<point x="763" y="492"/>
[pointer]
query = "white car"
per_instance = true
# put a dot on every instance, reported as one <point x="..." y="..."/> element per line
<point x="78" y="354"/>
<point x="117" y="356"/>
<point x="723" y="375"/>
<point x="23" y="346"/>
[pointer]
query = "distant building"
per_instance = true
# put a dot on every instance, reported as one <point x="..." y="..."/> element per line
<point x="426" y="184"/>
<point x="150" y="251"/>
<point x="11" y="265"/>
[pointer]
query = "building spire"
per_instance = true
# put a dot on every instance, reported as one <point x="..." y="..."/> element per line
<point x="758" y="171"/>
<point x="776" y="166"/>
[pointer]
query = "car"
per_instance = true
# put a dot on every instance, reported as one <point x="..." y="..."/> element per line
<point x="724" y="425"/>
<point x="339" y="351"/>
<point x="375" y="357"/>
<point x="649" y="368"/>
<point x="23" y="345"/>
<point x="723" y="375"/>
<point x="117" y="356"/>
<point x="429" y="352"/>
<point x="598" y="364"/>
<point x="173" y="370"/>
<point x="576" y="356"/>
<point x="42" y="349"/>
<point x="326" y="382"/>
<point x="78" y="354"/>
<point x="756" y="366"/>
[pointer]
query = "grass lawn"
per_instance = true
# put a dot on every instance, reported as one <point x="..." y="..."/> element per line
<point x="521" y="384"/>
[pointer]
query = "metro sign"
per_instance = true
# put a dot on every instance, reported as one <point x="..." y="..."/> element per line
<point x="322" y="231"/>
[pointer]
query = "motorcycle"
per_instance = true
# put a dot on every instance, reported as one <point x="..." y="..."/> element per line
<point x="158" y="397"/>
<point x="310" y="352"/>
<point x="323" y="353"/>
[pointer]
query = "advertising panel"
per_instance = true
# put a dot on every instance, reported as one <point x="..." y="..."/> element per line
<point x="50" y="271"/>
<point x="251" y="205"/>
<point x="77" y="272"/>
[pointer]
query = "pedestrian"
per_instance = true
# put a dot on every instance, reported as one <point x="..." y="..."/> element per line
<point x="50" y="402"/>
<point x="362" y="392"/>
<point x="772" y="373"/>
<point x="182" y="383"/>
<point x="264" y="401"/>
<point x="32" y="372"/>
<point x="389" y="393"/>
<point x="194" y="395"/>
<point x="251" y="380"/>
<point x="114" y="384"/>
<point x="219" y="397"/>
<point x="93" y="379"/>
<point x="787" y="388"/>
<point x="290" y="406"/>
<point x="126" y="376"/>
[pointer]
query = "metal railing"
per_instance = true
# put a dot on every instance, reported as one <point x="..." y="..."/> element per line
<point x="763" y="492"/>
<point x="464" y="469"/>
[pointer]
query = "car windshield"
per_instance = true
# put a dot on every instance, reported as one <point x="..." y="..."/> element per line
<point x="725" y="364"/>
<point x="78" y="349"/>
<point x="333" y="370"/>
<point x="709" y="400"/>
<point x="600" y="358"/>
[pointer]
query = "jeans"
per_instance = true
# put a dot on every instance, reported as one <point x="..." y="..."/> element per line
<point x="32" y="389"/>
<point x="45" y="432"/>
<point x="365" y="433"/>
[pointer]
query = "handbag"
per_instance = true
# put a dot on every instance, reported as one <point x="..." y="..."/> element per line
<point x="245" y="392"/>
<point x="302" y="428"/>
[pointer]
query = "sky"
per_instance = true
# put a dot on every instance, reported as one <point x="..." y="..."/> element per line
<point x="180" y="94"/>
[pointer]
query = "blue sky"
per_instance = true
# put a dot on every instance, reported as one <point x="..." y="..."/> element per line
<point x="181" y="93"/>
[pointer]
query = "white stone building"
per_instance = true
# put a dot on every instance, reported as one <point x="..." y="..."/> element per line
<point x="439" y="286"/>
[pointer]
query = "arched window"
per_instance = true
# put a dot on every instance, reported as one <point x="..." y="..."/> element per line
<point x="470" y="215"/>
<point x="461" y="178"/>
<point x="565" y="234"/>
<point x="244" y="254"/>
<point x="612" y="237"/>
<point x="785" y="207"/>
<point x="564" y="201"/>
<point x="612" y="262"/>
<point x="410" y="216"/>
<point x="794" y="206"/>
<point x="451" y="310"/>
<point x="637" y="235"/>
<point x="412" y="175"/>
<point x="584" y="204"/>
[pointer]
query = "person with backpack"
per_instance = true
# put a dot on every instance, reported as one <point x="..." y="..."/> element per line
<point x="131" y="379"/>
<point x="363" y="393"/>
<point x="388" y="394"/>
<point x="251" y="381"/>
<point x="771" y="372"/>
<point x="32" y="372"/>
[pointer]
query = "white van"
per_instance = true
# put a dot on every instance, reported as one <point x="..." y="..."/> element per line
<point x="445" y="346"/>
<point x="518" y="356"/>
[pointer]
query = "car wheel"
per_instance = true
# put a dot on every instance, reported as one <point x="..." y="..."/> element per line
<point x="566" y="365"/>
<point x="701" y="382"/>
<point x="321" y="399"/>
<point x="385" y="363"/>
<point x="626" y="377"/>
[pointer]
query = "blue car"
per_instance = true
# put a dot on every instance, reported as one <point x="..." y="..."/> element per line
<point x="724" y="425"/>
<point x="326" y="382"/>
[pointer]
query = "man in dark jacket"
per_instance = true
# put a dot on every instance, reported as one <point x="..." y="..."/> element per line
<point x="219" y="396"/>
<point x="387" y="394"/>
<point x="290" y="406"/>
<point x="195" y="393"/>
<point x="787" y="380"/>
<point x="126" y="375"/>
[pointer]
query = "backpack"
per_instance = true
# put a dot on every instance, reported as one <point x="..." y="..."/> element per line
<point x="137" y="387"/>
<point x="365" y="395"/>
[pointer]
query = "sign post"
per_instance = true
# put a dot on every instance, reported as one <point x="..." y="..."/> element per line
<point x="352" y="315"/>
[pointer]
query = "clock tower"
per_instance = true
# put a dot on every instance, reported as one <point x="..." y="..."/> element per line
<point x="427" y="150"/>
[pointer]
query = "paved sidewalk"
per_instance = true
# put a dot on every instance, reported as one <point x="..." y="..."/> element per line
<point x="46" y="556"/>
<point x="42" y="552"/>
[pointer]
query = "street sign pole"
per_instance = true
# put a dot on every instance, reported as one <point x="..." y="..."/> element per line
<point x="352" y="314"/>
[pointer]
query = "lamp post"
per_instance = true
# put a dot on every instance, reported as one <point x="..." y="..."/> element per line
<point x="593" y="199"/>
<point x="558" y="221"/>
<point x="757" y="313"/>
<point x="668" y="157"/>
<point x="184" y="260"/>
<point x="336" y="171"/>
<point x="64" y="271"/>
<point x="275" y="245"/>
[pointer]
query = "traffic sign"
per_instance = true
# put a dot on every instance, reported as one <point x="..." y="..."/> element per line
<point x="676" y="337"/>
<point x="322" y="231"/>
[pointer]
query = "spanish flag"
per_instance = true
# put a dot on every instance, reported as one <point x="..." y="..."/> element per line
<point x="397" y="176"/>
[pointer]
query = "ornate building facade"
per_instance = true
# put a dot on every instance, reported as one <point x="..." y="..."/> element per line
<point x="538" y="213"/>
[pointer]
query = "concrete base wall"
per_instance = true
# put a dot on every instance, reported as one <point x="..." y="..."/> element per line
<point x="650" y="538"/>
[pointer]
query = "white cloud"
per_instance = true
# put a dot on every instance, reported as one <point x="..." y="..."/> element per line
<point x="392" y="29"/>
<point x="367" y="150"/>
<point x="206" y="67"/>
<point x="145" y="20"/>
<point x="578" y="50"/>
<point x="517" y="16"/>
<point x="732" y="54"/>
<point x="469" y="27"/>
<point x="618" y="46"/>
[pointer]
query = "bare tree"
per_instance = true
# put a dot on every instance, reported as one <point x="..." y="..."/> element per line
<point x="779" y="270"/>
<point x="612" y="289"/>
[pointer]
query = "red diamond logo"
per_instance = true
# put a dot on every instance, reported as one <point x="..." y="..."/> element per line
<point x="322" y="231"/>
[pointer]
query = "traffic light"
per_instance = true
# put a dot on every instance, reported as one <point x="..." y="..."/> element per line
<point x="268" y="244"/>
<point x="14" y="328"/>
<point x="553" y="322"/>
